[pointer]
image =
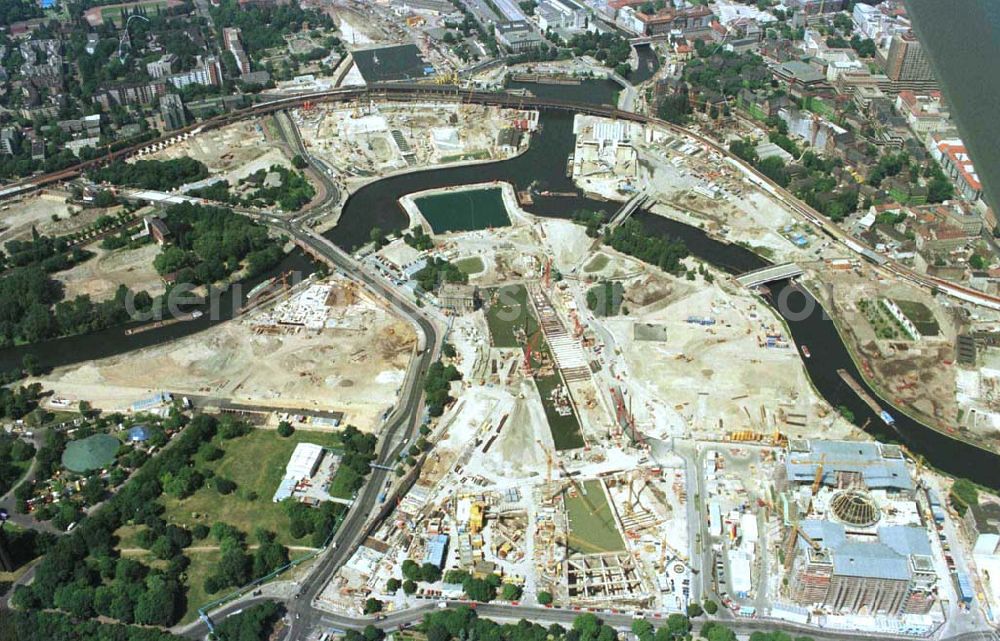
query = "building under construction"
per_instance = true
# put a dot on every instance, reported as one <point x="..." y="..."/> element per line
<point x="847" y="572"/>
<point x="856" y="543"/>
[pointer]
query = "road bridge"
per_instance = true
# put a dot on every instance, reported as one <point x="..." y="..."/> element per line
<point x="630" y="207"/>
<point x="769" y="274"/>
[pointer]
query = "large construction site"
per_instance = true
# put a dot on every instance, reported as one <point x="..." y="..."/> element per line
<point x="622" y="460"/>
<point x="322" y="347"/>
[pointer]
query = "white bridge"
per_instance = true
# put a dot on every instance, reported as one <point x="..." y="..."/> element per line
<point x="768" y="274"/>
<point x="629" y="208"/>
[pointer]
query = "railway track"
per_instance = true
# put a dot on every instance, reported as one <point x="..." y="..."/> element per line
<point x="414" y="92"/>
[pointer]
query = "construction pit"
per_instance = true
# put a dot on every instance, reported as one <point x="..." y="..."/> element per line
<point x="364" y="140"/>
<point x="596" y="534"/>
<point x="231" y="152"/>
<point x="326" y="346"/>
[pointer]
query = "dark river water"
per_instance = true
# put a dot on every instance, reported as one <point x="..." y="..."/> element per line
<point x="112" y="341"/>
<point x="543" y="166"/>
<point x="963" y="40"/>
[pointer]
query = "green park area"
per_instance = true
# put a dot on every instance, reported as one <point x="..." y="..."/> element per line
<point x="466" y="210"/>
<point x="255" y="462"/>
<point x="591" y="522"/>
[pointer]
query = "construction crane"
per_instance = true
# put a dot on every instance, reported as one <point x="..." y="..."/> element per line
<point x="548" y="461"/>
<point x="818" y="478"/>
<point x="790" y="546"/>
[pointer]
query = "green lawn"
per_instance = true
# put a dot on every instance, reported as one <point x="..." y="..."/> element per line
<point x="202" y="566"/>
<point x="255" y="462"/>
<point x="921" y="315"/>
<point x="591" y="523"/>
<point x="470" y="266"/>
<point x="508" y="311"/>
<point x="566" y="433"/>
<point x="597" y="263"/>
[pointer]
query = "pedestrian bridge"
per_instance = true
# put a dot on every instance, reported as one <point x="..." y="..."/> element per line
<point x="768" y="274"/>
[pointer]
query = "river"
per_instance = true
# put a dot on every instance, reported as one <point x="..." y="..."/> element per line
<point x="544" y="164"/>
<point x="114" y="340"/>
<point x="963" y="40"/>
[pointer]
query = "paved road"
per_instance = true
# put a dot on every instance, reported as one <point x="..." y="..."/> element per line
<point x="396" y="433"/>
<point x="565" y="616"/>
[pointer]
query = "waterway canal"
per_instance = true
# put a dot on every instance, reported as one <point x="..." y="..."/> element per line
<point x="544" y="164"/>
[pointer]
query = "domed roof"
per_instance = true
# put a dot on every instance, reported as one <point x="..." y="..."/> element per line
<point x="855" y="507"/>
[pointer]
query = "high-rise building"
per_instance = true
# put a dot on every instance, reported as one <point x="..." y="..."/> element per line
<point x="907" y="61"/>
<point x="172" y="112"/>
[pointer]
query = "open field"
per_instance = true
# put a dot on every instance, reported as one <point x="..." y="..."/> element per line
<point x="510" y="311"/>
<point x="921" y="315"/>
<point x="18" y="218"/>
<point x="355" y="368"/>
<point x="255" y="462"/>
<point x="472" y="265"/>
<point x="100" y="276"/>
<point x="566" y="432"/>
<point x="591" y="522"/>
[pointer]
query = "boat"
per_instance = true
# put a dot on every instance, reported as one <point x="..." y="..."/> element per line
<point x="806" y="352"/>
<point x="867" y="398"/>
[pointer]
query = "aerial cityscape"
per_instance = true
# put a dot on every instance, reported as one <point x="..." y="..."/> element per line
<point x="499" y="320"/>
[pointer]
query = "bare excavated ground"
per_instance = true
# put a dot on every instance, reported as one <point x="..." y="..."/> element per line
<point x="357" y="371"/>
<point x="100" y="276"/>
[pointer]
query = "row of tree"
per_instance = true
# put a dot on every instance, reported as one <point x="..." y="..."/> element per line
<point x="84" y="575"/>
<point x="161" y="175"/>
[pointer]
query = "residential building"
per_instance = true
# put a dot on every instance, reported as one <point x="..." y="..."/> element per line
<point x="231" y="39"/>
<point x="924" y="113"/>
<point x="140" y="94"/>
<point x="172" y="112"/>
<point x="163" y="67"/>
<point x="92" y="40"/>
<point x="955" y="161"/>
<point x="208" y="72"/>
